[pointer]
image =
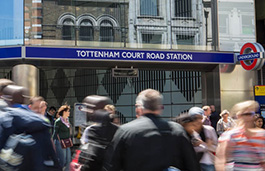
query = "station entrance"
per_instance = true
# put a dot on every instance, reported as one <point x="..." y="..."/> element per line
<point x="67" y="75"/>
<point x="181" y="89"/>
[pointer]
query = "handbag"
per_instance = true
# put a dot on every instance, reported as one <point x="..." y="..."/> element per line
<point x="65" y="143"/>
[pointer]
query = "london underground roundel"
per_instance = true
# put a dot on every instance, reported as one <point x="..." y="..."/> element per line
<point x="255" y="63"/>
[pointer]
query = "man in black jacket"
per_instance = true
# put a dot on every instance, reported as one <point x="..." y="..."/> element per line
<point x="150" y="143"/>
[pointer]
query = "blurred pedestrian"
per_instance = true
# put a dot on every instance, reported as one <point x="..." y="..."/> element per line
<point x="43" y="107"/>
<point x="93" y="103"/>
<point x="215" y="117"/>
<point x="61" y="135"/>
<point x="38" y="106"/>
<point x="98" y="136"/>
<point x="24" y="135"/>
<point x="258" y="121"/>
<point x="243" y="147"/>
<point x="207" y="114"/>
<point x="190" y="123"/>
<point x="225" y="123"/>
<point x="3" y="83"/>
<point x="206" y="140"/>
<point x="111" y="108"/>
<point x="34" y="103"/>
<point x="149" y="143"/>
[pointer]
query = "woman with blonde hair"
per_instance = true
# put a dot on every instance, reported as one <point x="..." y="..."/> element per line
<point x="242" y="148"/>
<point x="111" y="108"/>
<point x="61" y="136"/>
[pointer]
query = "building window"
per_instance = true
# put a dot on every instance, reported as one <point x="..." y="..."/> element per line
<point x="106" y="31"/>
<point x="149" y="7"/>
<point x="248" y="25"/>
<point x="185" y="40"/>
<point x="86" y="32"/>
<point x="68" y="32"/>
<point x="223" y="23"/>
<point x="183" y="8"/>
<point x="152" y="38"/>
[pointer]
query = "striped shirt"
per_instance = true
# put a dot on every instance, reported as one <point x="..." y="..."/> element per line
<point x="247" y="152"/>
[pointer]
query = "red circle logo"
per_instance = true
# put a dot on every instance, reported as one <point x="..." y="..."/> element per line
<point x="253" y="64"/>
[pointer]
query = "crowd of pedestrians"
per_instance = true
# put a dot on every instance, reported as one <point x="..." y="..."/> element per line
<point x="35" y="137"/>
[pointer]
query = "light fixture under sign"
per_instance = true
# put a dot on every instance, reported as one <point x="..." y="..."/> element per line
<point x="124" y="72"/>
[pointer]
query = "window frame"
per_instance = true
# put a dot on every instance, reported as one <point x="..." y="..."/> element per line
<point x="112" y="38"/>
<point x="91" y="29"/>
<point x="71" y="26"/>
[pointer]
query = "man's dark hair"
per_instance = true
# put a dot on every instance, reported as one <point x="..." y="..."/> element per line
<point x="52" y="108"/>
<point x="186" y="118"/>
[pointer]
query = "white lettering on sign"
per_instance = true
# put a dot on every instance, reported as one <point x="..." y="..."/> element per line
<point x="248" y="56"/>
<point x="155" y="56"/>
<point x="134" y="55"/>
<point x="97" y="54"/>
<point x="178" y="56"/>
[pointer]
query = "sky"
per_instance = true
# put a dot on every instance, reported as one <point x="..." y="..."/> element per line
<point x="11" y="20"/>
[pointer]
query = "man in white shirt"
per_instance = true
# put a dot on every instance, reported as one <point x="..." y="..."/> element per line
<point x="206" y="143"/>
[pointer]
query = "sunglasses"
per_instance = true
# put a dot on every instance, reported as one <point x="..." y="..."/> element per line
<point x="248" y="114"/>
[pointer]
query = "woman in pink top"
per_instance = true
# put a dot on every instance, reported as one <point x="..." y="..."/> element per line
<point x="242" y="148"/>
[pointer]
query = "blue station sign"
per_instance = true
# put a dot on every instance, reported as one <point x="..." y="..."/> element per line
<point x="10" y="52"/>
<point x="128" y="55"/>
<point x="29" y="52"/>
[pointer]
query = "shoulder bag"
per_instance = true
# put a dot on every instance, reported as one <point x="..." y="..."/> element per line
<point x="65" y="143"/>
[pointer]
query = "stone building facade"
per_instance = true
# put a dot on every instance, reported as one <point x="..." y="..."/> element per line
<point x="150" y="24"/>
<point x="75" y="23"/>
<point x="168" y="24"/>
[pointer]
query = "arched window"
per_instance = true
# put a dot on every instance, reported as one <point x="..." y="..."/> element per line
<point x="68" y="30"/>
<point x="86" y="32"/>
<point x="106" y="31"/>
<point x="149" y="7"/>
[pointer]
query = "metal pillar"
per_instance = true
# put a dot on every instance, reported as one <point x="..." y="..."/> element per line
<point x="211" y="88"/>
<point x="27" y="76"/>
